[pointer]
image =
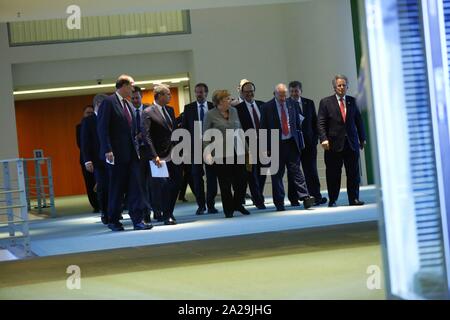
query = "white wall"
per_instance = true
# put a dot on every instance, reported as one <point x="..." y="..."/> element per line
<point x="319" y="45"/>
<point x="8" y="136"/>
<point x="267" y="44"/>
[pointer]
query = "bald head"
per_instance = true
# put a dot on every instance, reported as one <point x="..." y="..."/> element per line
<point x="280" y="92"/>
<point x="124" y="85"/>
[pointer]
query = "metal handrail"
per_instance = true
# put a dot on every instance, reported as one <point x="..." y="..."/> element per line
<point x="15" y="222"/>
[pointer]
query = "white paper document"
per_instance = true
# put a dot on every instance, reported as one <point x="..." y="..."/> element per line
<point x="159" y="172"/>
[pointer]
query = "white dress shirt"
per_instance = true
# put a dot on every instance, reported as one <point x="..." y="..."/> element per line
<point x="250" y="110"/>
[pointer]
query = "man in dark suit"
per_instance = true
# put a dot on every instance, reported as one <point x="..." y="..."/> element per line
<point x="117" y="132"/>
<point x="139" y="107"/>
<point x="309" y="153"/>
<point x="194" y="114"/>
<point x="158" y="123"/>
<point x="250" y="118"/>
<point x="89" y="179"/>
<point x="187" y="169"/>
<point x="342" y="135"/>
<point x="90" y="150"/>
<point x="280" y="114"/>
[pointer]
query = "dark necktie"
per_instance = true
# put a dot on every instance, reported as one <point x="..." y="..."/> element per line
<point x="255" y="116"/>
<point x="202" y="112"/>
<point x="284" y="121"/>
<point x="138" y="121"/>
<point x="126" y="112"/>
<point x="167" y="118"/>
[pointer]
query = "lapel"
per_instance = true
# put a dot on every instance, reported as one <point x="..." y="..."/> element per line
<point x="277" y="124"/>
<point x="304" y="107"/>
<point x="247" y="115"/>
<point x="195" y="111"/>
<point x="159" y="116"/>
<point x="292" y="115"/>
<point x="119" y="109"/>
<point x="349" y="106"/>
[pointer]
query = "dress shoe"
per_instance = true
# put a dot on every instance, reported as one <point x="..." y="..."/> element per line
<point x="332" y="204"/>
<point x="320" y="201"/>
<point x="170" y="222"/>
<point x="229" y="214"/>
<point x="261" y="206"/>
<point x="242" y="210"/>
<point x="357" y="203"/>
<point x="295" y="204"/>
<point x="213" y="211"/>
<point x="157" y="215"/>
<point x="200" y="211"/>
<point x="147" y="218"/>
<point x="104" y="219"/>
<point x="116" y="226"/>
<point x="281" y="208"/>
<point x="308" y="202"/>
<point x="143" y="226"/>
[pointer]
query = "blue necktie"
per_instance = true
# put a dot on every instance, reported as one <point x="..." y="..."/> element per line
<point x="202" y="113"/>
<point x="138" y="121"/>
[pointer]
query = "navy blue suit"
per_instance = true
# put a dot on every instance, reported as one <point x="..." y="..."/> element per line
<point x="90" y="147"/>
<point x="190" y="115"/>
<point x="255" y="180"/>
<point x="290" y="150"/>
<point x="309" y="153"/>
<point x="89" y="178"/>
<point x="117" y="136"/>
<point x="345" y="139"/>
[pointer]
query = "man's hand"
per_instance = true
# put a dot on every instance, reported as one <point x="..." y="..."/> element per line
<point x="109" y="156"/>
<point x="362" y="145"/>
<point x="89" y="166"/>
<point x="326" y="145"/>
<point x="209" y="159"/>
<point x="157" y="161"/>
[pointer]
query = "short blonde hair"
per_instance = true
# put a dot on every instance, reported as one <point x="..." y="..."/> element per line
<point x="219" y="95"/>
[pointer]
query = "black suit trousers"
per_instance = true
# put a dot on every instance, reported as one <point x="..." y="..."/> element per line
<point x="102" y="180"/>
<point x="256" y="182"/>
<point x="124" y="179"/>
<point x="166" y="189"/>
<point x="145" y="182"/>
<point x="334" y="161"/>
<point x="231" y="176"/>
<point x="199" y="185"/>
<point x="289" y="158"/>
<point x="308" y="159"/>
<point x="89" y="182"/>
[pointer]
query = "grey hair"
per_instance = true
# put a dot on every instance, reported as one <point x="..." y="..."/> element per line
<point x="279" y="85"/>
<point x="160" y="89"/>
<point x="98" y="99"/>
<point x="339" y="77"/>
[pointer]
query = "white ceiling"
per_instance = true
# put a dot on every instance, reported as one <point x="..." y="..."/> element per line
<point x="25" y="10"/>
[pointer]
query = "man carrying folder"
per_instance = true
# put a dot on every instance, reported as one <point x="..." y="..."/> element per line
<point x="158" y="123"/>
